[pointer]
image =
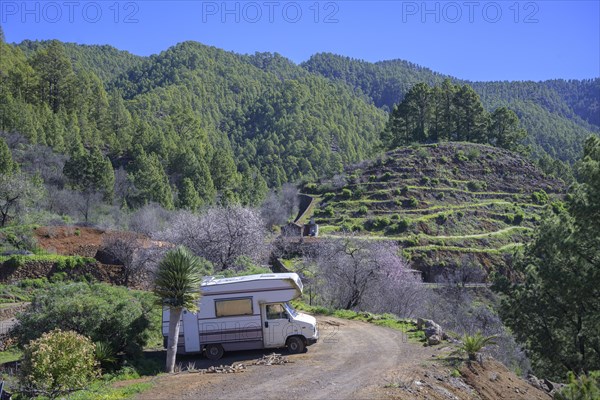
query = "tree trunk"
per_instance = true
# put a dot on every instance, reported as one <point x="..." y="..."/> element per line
<point x="174" y="317"/>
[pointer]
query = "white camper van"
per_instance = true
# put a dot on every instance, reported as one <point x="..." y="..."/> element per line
<point x="244" y="313"/>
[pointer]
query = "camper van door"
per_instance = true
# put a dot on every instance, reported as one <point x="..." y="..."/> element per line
<point x="275" y="324"/>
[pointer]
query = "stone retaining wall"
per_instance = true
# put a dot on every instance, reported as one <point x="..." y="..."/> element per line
<point x="40" y="269"/>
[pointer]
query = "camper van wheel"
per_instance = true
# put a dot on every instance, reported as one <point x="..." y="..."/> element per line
<point x="295" y="345"/>
<point x="214" y="351"/>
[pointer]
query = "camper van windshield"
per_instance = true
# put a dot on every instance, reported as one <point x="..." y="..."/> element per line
<point x="291" y="310"/>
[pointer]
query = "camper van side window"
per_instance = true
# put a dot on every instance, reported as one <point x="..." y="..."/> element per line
<point x="233" y="307"/>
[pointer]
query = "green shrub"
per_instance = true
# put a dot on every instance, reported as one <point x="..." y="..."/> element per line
<point x="359" y="192"/>
<point x="476" y="186"/>
<point x="372" y="178"/>
<point x="346" y="193"/>
<point x="395" y="217"/>
<point x="57" y="363"/>
<point x="435" y="181"/>
<point x="346" y="227"/>
<point x="440" y="196"/>
<point x="399" y="227"/>
<point x="329" y="211"/>
<point x="442" y="218"/>
<point x="558" y="207"/>
<point x="404" y="190"/>
<point x="540" y="197"/>
<point x="357" y="227"/>
<point x="20" y="237"/>
<point x="377" y="224"/>
<point x="425" y="180"/>
<point x="413" y="202"/>
<point x="33" y="283"/>
<point x="58" y="277"/>
<point x="584" y="387"/>
<point x="518" y="218"/>
<point x="363" y="210"/>
<point x="105" y="313"/>
<point x="310" y="188"/>
<point x="473" y="154"/>
<point x="422" y="153"/>
<point x="412" y="241"/>
<point x="387" y="177"/>
<point x="460" y="156"/>
<point x="328" y="196"/>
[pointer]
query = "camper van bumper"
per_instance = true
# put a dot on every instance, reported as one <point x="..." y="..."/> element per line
<point x="311" y="341"/>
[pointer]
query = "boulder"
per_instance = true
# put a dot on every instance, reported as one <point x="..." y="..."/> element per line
<point x="431" y="329"/>
<point x="433" y="332"/>
<point x="433" y="340"/>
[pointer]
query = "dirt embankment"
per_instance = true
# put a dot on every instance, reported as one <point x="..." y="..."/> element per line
<point x="353" y="360"/>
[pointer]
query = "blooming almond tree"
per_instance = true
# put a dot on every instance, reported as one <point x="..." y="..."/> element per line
<point x="221" y="235"/>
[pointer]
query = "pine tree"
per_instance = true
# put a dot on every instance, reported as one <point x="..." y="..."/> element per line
<point x="188" y="196"/>
<point x="90" y="172"/>
<point x="470" y="116"/>
<point x="223" y="170"/>
<point x="505" y="129"/>
<point x="56" y="75"/>
<point x="556" y="310"/>
<point x="151" y="180"/>
<point x="6" y="162"/>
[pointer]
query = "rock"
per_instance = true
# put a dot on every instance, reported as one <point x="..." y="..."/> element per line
<point x="431" y="328"/>
<point x="433" y="340"/>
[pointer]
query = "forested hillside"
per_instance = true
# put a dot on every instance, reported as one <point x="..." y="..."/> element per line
<point x="558" y="114"/>
<point x="190" y="126"/>
<point x="103" y="60"/>
<point x="196" y="125"/>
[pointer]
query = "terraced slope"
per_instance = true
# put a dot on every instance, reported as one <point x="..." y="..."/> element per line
<point x="448" y="205"/>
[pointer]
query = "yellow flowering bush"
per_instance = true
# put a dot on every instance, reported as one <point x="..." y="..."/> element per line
<point x="58" y="362"/>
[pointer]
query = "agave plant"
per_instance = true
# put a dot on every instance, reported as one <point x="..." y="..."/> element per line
<point x="473" y="344"/>
<point x="105" y="355"/>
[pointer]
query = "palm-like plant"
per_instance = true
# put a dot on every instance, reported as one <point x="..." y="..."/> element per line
<point x="472" y="345"/>
<point x="177" y="284"/>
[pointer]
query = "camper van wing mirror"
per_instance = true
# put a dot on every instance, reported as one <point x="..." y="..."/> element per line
<point x="266" y="324"/>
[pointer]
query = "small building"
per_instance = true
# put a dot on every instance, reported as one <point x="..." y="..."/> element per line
<point x="294" y="229"/>
<point x="311" y="229"/>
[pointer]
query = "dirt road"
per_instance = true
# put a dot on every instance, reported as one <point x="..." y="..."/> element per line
<point x="352" y="360"/>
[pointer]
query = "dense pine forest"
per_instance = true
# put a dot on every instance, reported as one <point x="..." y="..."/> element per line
<point x="196" y="125"/>
<point x="558" y="114"/>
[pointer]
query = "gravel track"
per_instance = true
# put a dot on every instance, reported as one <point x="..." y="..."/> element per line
<point x="352" y="359"/>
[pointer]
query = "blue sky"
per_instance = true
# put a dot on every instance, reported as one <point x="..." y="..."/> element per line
<point x="476" y="40"/>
